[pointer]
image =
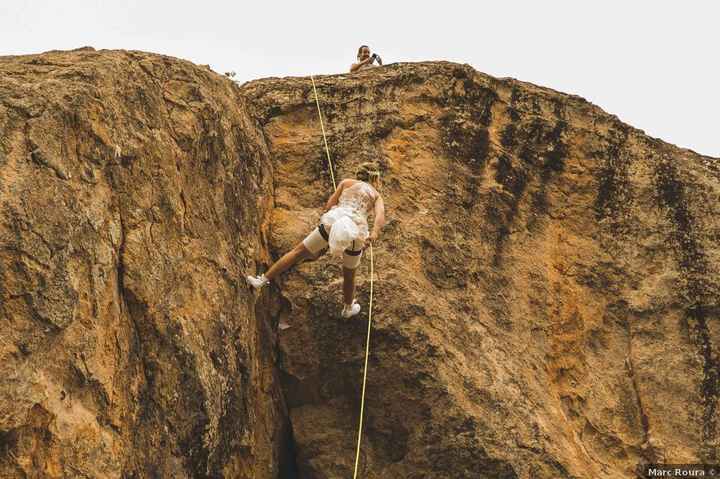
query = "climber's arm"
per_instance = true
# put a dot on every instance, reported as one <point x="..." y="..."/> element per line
<point x="357" y="65"/>
<point x="332" y="201"/>
<point x="379" y="220"/>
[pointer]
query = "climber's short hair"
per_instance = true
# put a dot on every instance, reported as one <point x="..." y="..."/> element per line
<point x="367" y="171"/>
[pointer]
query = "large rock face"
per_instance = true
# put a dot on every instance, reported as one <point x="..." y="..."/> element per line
<point x="131" y="201"/>
<point x="547" y="286"/>
<point x="545" y="292"/>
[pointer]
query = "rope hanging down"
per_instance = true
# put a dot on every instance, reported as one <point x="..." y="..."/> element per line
<point x="327" y="151"/>
<point x="367" y="342"/>
<point x="367" y="350"/>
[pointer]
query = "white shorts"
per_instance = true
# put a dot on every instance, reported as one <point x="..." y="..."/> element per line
<point x="315" y="241"/>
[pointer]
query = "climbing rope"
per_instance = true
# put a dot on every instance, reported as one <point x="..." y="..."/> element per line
<point x="367" y="342"/>
<point x="367" y="350"/>
<point x="327" y="151"/>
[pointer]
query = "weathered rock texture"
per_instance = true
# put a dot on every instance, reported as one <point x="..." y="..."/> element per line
<point x="546" y="288"/>
<point x="131" y="196"/>
<point x="546" y="292"/>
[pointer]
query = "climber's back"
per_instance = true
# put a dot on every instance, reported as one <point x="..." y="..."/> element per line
<point x="359" y="195"/>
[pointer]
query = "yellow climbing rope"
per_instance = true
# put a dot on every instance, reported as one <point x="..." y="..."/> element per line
<point x="367" y="342"/>
<point x="367" y="350"/>
<point x="322" y="127"/>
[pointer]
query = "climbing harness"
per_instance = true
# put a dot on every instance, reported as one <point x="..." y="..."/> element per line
<point x="367" y="342"/>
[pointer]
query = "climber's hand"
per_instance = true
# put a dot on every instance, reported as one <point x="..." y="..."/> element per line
<point x="370" y="239"/>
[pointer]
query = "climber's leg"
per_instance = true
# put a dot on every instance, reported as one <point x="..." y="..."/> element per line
<point x="306" y="249"/>
<point x="351" y="260"/>
<point x="316" y="241"/>
<point x="296" y="254"/>
<point x="348" y="285"/>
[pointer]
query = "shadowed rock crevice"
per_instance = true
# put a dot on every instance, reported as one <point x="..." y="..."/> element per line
<point x="647" y="448"/>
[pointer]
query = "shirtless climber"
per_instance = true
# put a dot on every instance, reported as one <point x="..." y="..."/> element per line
<point x="344" y="228"/>
<point x="365" y="60"/>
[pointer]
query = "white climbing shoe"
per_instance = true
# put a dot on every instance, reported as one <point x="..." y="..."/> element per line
<point x="352" y="310"/>
<point x="258" y="282"/>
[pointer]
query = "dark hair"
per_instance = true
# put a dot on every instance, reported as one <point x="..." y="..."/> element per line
<point x="361" y="47"/>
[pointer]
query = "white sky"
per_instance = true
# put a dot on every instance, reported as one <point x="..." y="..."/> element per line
<point x="654" y="64"/>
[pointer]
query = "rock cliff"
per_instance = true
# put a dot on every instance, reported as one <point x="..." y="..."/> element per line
<point x="135" y="191"/>
<point x="545" y="297"/>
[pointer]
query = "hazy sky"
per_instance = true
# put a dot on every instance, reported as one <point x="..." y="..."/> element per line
<point x="654" y="64"/>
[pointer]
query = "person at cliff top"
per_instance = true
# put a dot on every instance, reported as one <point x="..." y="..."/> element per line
<point x="365" y="60"/>
<point x="344" y="227"/>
